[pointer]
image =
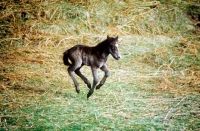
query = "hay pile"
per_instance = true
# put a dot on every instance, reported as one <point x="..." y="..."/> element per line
<point x="157" y="79"/>
<point x="56" y="22"/>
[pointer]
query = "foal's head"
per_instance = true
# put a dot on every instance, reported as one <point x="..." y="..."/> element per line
<point x="113" y="47"/>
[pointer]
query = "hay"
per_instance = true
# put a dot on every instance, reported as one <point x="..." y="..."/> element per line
<point x="155" y="86"/>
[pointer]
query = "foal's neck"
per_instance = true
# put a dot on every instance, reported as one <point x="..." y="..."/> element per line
<point x="101" y="49"/>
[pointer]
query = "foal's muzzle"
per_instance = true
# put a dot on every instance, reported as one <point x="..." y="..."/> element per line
<point x="117" y="57"/>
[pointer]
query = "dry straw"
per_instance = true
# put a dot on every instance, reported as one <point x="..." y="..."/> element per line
<point x="157" y="78"/>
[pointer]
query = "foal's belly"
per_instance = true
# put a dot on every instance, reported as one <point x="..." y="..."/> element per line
<point x="91" y="61"/>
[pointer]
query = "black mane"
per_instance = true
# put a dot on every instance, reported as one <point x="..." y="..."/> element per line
<point x="102" y="48"/>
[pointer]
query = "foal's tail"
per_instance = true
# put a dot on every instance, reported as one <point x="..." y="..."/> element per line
<point x="65" y="58"/>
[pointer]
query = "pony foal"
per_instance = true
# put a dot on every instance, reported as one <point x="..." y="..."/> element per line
<point x="95" y="57"/>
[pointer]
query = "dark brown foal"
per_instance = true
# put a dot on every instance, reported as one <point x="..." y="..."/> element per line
<point x="95" y="57"/>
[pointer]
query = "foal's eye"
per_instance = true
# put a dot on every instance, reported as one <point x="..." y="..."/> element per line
<point x="112" y="47"/>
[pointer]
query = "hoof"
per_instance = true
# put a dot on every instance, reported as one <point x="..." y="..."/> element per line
<point x="78" y="91"/>
<point x="98" y="86"/>
<point x="89" y="86"/>
<point x="89" y="94"/>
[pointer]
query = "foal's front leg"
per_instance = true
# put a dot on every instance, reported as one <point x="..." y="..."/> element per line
<point x="107" y="73"/>
<point x="95" y="81"/>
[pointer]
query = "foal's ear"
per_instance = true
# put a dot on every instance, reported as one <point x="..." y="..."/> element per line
<point x="116" y="38"/>
<point x="108" y="37"/>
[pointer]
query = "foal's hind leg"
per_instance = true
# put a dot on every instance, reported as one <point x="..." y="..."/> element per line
<point x="71" y="69"/>
<point x="107" y="73"/>
<point x="77" y="71"/>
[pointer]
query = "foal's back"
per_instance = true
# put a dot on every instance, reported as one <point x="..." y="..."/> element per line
<point x="82" y="54"/>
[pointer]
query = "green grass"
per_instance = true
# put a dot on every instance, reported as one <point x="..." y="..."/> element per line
<point x="154" y="86"/>
<point x="46" y="100"/>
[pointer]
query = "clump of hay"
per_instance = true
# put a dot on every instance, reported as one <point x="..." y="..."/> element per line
<point x="155" y="82"/>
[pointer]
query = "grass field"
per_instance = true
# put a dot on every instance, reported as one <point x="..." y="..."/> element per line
<point x="154" y="86"/>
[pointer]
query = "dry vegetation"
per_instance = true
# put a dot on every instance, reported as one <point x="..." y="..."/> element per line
<point x="155" y="86"/>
